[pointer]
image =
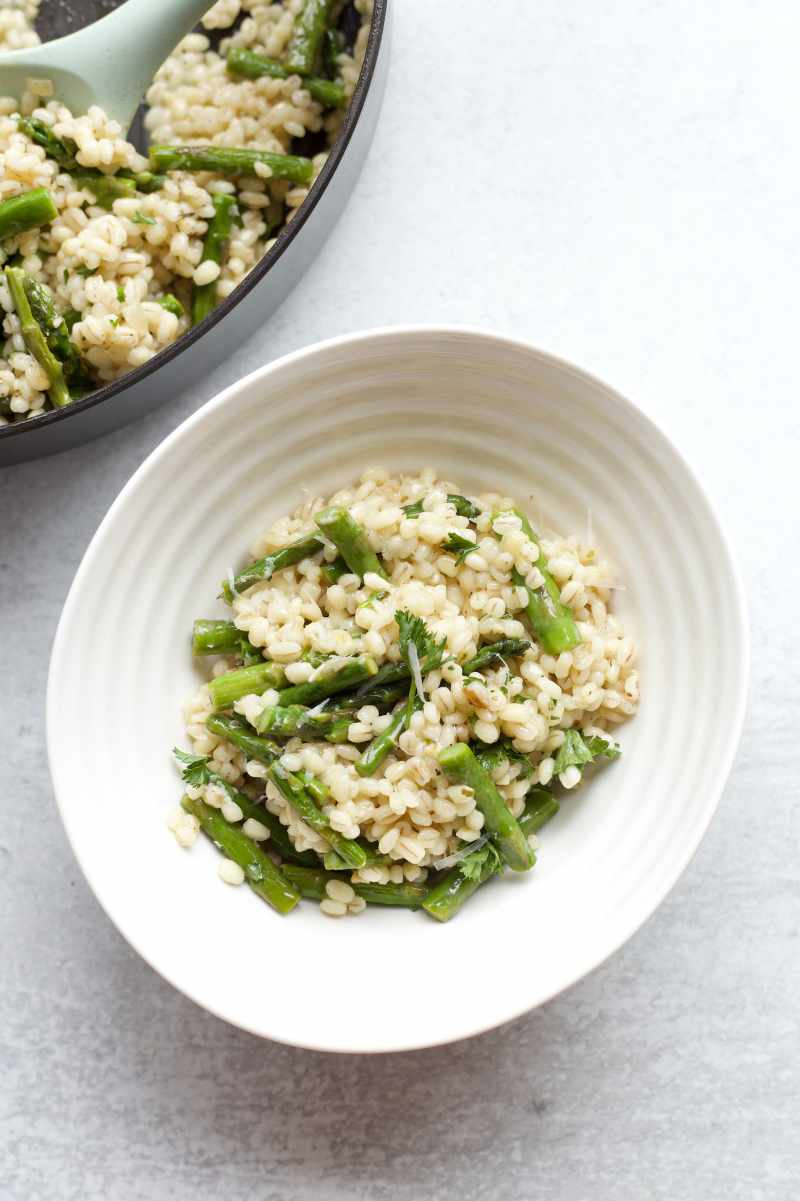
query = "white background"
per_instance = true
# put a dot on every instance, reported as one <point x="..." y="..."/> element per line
<point x="618" y="183"/>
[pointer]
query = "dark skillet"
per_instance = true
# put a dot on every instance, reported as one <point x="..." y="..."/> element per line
<point x="250" y="305"/>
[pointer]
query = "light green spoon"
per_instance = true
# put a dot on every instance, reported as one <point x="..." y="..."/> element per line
<point x="110" y="63"/>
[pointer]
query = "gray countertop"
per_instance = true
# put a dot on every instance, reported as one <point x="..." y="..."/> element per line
<point x="617" y="183"/>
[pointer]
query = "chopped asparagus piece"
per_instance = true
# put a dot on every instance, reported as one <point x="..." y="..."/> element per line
<point x="227" y="160"/>
<point x="253" y="66"/>
<point x="27" y="211"/>
<point x="459" y="763"/>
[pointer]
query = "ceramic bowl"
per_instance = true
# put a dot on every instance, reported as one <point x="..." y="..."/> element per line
<point x="491" y="414"/>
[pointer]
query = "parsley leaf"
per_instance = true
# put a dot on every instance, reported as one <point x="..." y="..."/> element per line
<point x="492" y="756"/>
<point x="140" y="218"/>
<point x="481" y="864"/>
<point x="463" y="507"/>
<point x="458" y="545"/>
<point x="413" y="631"/>
<point x="577" y="750"/>
<point x="195" y="770"/>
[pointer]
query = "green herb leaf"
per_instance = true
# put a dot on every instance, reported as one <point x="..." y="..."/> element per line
<point x="140" y="218"/>
<point x="463" y="507"/>
<point x="413" y="630"/>
<point x="458" y="545"/>
<point x="577" y="750"/>
<point x="120" y="294"/>
<point x="171" y="304"/>
<point x="195" y="770"/>
<point x="481" y="864"/>
<point x="503" y="751"/>
<point x="85" y="272"/>
<point x="373" y="599"/>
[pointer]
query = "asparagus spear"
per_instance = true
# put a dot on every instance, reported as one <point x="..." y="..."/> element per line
<point x="253" y="66"/>
<point x="332" y="572"/>
<point x="292" y="721"/>
<point x="459" y="763"/>
<point x="26" y="211"/>
<point x="293" y="789"/>
<point x="495" y="652"/>
<point x="333" y="46"/>
<point x="391" y="675"/>
<point x="311" y="883"/>
<point x="264" y="569"/>
<point x="204" y="296"/>
<point x="383" y="697"/>
<point x="237" y="731"/>
<point x="333" y="863"/>
<point x="210" y="637"/>
<point x="446" y="897"/>
<point x="242" y="681"/>
<point x="35" y="339"/>
<point x="342" y="529"/>
<point x="382" y="744"/>
<point x="61" y="150"/>
<point x="227" y="160"/>
<point x="540" y="806"/>
<point x="330" y="679"/>
<point x="306" y="40"/>
<point x="144" y="181"/>
<point x="551" y="621"/>
<point x="280" y="841"/>
<point x="105" y="188"/>
<point x="56" y="330"/>
<point x="195" y="770"/>
<point x="64" y="151"/>
<point x="265" y="879"/>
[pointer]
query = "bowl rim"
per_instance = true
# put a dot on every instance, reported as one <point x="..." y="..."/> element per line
<point x="284" y="239"/>
<point x="741" y="625"/>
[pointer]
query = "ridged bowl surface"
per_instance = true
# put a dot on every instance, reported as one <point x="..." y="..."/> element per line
<point x="491" y="414"/>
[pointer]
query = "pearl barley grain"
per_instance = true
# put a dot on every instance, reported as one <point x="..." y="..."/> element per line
<point x="230" y="872"/>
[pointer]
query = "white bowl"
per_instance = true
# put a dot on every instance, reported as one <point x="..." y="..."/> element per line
<point x="489" y="413"/>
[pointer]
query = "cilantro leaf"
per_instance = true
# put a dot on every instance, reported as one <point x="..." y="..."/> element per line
<point x="462" y="506"/>
<point x="481" y="864"/>
<point x="458" y="545"/>
<point x="414" y="632"/>
<point x="490" y="757"/>
<point x="577" y="750"/>
<point x="195" y="770"/>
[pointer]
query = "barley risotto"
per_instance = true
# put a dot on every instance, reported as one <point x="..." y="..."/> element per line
<point x="408" y="682"/>
<point x="108" y="255"/>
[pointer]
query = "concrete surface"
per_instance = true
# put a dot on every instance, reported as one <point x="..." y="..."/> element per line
<point x="619" y="184"/>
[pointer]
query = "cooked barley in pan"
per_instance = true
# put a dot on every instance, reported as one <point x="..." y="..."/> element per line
<point x="108" y="256"/>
